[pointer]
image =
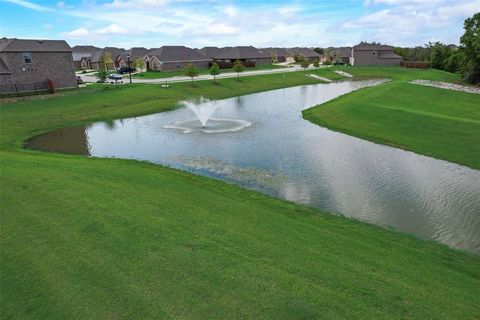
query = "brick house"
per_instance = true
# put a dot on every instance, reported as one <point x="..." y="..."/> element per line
<point x="276" y="54"/>
<point x="374" y="55"/>
<point x="245" y="54"/>
<point x="27" y="65"/>
<point x="170" y="58"/>
<point x="307" y="53"/>
<point x="95" y="61"/>
<point x="82" y="56"/>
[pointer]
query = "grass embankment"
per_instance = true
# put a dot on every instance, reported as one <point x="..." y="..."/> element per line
<point x="440" y="123"/>
<point x="110" y="239"/>
<point x="181" y="72"/>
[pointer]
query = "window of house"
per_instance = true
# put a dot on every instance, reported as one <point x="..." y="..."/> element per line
<point x="178" y="65"/>
<point x="373" y="52"/>
<point x="27" y="57"/>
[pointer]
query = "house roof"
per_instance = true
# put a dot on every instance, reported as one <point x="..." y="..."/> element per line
<point x="77" y="56"/>
<point x="3" y="67"/>
<point x="279" y="52"/>
<point x="115" y="52"/>
<point x="343" y="52"/>
<point x="306" y="52"/>
<point x="210" y="52"/>
<point x="137" y="52"/>
<point x="89" y="49"/>
<point x="372" y="47"/>
<point x="243" y="52"/>
<point x="178" y="53"/>
<point x="15" y="45"/>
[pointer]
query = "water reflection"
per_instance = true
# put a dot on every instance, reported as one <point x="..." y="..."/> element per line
<point x="286" y="156"/>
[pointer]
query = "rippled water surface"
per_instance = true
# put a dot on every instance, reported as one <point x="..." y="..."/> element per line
<point x="284" y="155"/>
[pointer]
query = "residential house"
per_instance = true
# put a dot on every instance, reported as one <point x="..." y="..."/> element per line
<point x="374" y="55"/>
<point x="341" y="54"/>
<point x="96" y="59"/>
<point x="170" y="58"/>
<point x="82" y="56"/>
<point x="247" y="54"/>
<point x="307" y="53"/>
<point x="28" y="65"/>
<point x="132" y="54"/>
<point x="276" y="54"/>
<point x="212" y="52"/>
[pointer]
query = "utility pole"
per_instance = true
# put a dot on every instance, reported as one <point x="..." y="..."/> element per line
<point x="129" y="69"/>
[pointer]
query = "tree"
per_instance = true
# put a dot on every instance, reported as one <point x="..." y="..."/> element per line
<point x="316" y="63"/>
<point x="438" y="54"/>
<point x="214" y="71"/>
<point x="319" y="50"/>
<point x="238" y="67"/>
<point x="102" y="75"/>
<point x="470" y="42"/>
<point x="105" y="60"/>
<point x="298" y="57"/>
<point x="191" y="71"/>
<point x="304" y="63"/>
<point x="138" y="63"/>
<point x="455" y="61"/>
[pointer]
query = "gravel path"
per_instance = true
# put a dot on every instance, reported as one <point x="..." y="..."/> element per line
<point x="446" y="85"/>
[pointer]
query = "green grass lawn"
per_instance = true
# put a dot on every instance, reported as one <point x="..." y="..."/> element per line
<point x="435" y="122"/>
<point x="119" y="239"/>
<point x="181" y="72"/>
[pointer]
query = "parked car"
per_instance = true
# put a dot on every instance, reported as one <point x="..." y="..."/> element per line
<point x="115" y="77"/>
<point x="79" y="80"/>
<point x="125" y="70"/>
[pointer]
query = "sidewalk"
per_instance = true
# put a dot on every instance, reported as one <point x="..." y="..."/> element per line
<point x="89" y="78"/>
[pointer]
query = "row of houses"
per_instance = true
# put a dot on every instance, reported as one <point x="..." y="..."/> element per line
<point x="169" y="58"/>
<point x="365" y="55"/>
<point x="36" y="65"/>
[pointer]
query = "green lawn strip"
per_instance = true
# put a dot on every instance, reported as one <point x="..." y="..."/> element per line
<point x="440" y="123"/>
<point x="181" y="73"/>
<point x="109" y="238"/>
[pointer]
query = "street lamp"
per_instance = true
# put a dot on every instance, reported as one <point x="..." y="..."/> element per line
<point x="129" y="69"/>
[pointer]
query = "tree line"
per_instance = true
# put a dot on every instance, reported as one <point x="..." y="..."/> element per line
<point x="463" y="59"/>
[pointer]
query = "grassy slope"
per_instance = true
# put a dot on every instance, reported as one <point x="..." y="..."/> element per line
<point x="104" y="238"/>
<point x="180" y="73"/>
<point x="435" y="122"/>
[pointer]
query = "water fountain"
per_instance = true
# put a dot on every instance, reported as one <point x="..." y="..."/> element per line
<point x="203" y="110"/>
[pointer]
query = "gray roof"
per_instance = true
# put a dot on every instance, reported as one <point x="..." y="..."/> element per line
<point x="306" y="52"/>
<point x="15" y="45"/>
<point x="89" y="49"/>
<point x="343" y="52"/>
<point x="279" y="52"/>
<point x="115" y="52"/>
<point x="210" y="52"/>
<point x="77" y="56"/>
<point x="372" y="47"/>
<point x="243" y="52"/>
<point x="177" y="53"/>
<point x="3" y="67"/>
<point x="137" y="52"/>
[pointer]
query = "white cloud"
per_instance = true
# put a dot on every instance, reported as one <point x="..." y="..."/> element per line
<point x="111" y="29"/>
<point x="122" y="4"/>
<point x="29" y="5"/>
<point x="79" y="33"/>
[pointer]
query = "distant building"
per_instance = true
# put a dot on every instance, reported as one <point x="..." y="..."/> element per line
<point x="276" y="54"/>
<point x="374" y="55"/>
<point x="307" y="53"/>
<point x="82" y="56"/>
<point x="27" y="65"/>
<point x="170" y="58"/>
<point x="212" y="52"/>
<point x="246" y="54"/>
<point x="342" y="54"/>
<point x="96" y="59"/>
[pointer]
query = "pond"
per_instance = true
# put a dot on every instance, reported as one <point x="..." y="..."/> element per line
<point x="279" y="153"/>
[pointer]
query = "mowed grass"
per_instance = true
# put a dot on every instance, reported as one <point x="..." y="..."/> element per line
<point x="436" y="122"/>
<point x="181" y="72"/>
<point x="87" y="238"/>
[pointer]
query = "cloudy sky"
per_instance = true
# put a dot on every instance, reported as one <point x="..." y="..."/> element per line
<point x="153" y="23"/>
